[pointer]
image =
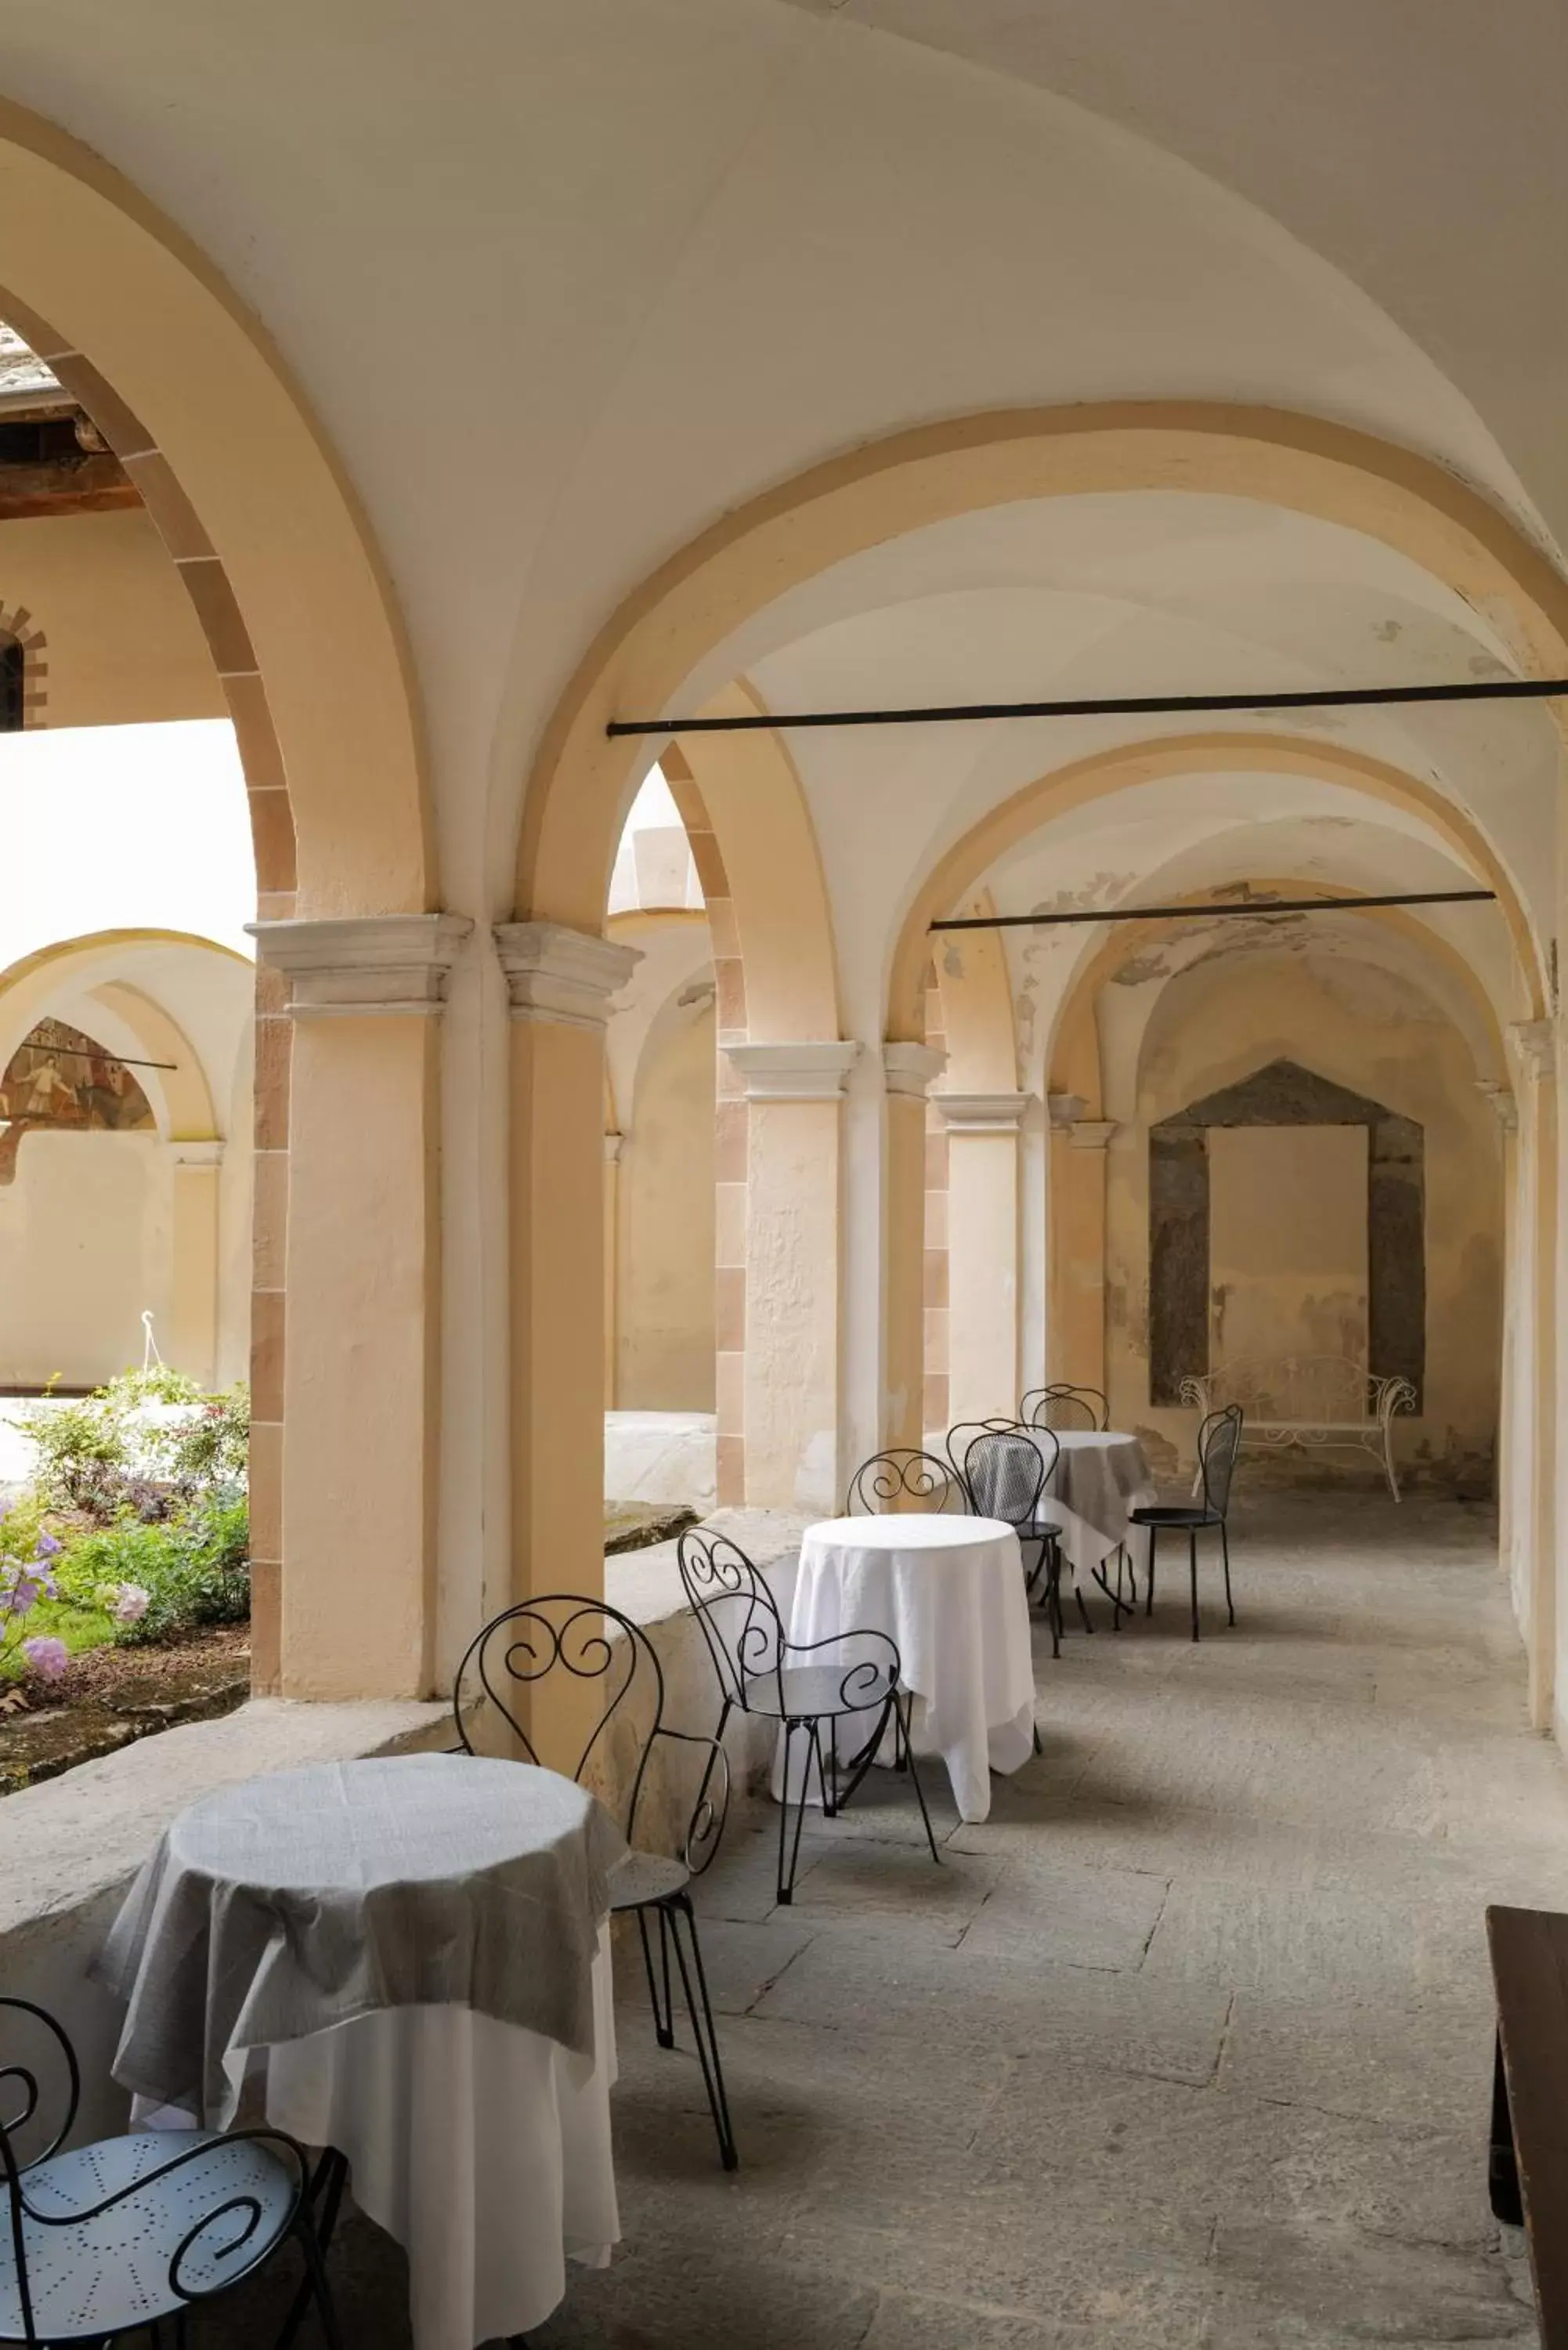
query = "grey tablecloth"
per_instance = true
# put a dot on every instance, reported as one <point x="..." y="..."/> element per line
<point x="292" y="1903"/>
<point x="1100" y="1476"/>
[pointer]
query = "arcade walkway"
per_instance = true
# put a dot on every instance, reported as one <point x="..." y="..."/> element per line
<point x="1189" y="2044"/>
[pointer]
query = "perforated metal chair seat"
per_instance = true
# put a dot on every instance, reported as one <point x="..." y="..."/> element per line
<point x="1174" y="1514"/>
<point x="111" y="2274"/>
<point x="819" y="1689"/>
<point x="645" y="1877"/>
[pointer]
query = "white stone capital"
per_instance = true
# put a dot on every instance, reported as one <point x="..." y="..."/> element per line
<point x="1063" y="1110"/>
<point x="612" y="1148"/>
<point x="910" y="1068"/>
<point x="364" y="963"/>
<point x="1534" y="1043"/>
<point x="1090" y="1133"/>
<point x="1503" y="1101"/>
<point x="563" y="975"/>
<point x="196" y="1154"/>
<point x="785" y="1073"/>
<point x="983" y="1113"/>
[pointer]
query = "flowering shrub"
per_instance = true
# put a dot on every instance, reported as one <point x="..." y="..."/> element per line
<point x="135" y="1527"/>
<point x="23" y="1583"/>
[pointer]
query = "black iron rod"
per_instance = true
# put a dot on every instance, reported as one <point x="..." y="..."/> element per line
<point x="74" y="1053"/>
<point x="1140" y="705"/>
<point x="1201" y="913"/>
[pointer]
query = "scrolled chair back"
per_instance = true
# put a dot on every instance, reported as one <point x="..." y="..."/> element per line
<point x="904" y="1478"/>
<point x="1218" y="1443"/>
<point x="956" y="1442"/>
<point x="736" y="1612"/>
<point x="1064" y="1406"/>
<point x="585" y="1638"/>
<point x="1005" y="1475"/>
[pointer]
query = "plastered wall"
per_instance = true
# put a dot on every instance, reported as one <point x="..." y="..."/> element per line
<point x="123" y="644"/>
<point x="1374" y="1034"/>
<point x="664" y="1339"/>
<point x="86" y="1243"/>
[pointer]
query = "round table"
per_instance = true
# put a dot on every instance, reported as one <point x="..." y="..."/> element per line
<point x="949" y="1591"/>
<point x="1101" y="1477"/>
<point x="414" y="1951"/>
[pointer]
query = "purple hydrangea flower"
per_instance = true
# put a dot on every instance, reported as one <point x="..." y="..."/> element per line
<point x="48" y="1659"/>
<point x="47" y="1546"/>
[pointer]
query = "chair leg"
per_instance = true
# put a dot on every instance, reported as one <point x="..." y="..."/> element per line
<point x="1053" y="1603"/>
<point x="700" y="2010"/>
<point x="1192" y="1570"/>
<point x="904" y="1715"/>
<point x="789" y="1855"/>
<point x="1148" y="1603"/>
<point x="327" y="2195"/>
<point x="663" y="2018"/>
<point x="1083" y="1609"/>
<point x="1225" y="1555"/>
<point x="304" y="2228"/>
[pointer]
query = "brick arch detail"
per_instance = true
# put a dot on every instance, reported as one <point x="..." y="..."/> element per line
<point x="18" y="627"/>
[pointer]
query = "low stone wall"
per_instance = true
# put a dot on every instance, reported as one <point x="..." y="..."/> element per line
<point x="70" y="1846"/>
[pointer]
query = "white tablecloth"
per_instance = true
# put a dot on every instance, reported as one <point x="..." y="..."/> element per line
<point x="950" y="1592"/>
<point x="482" y="2147"/>
<point x="1101" y="1477"/>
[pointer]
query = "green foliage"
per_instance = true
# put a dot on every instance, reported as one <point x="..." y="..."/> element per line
<point x="194" y="1568"/>
<point x="148" y="1441"/>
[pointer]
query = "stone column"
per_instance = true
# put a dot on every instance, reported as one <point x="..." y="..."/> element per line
<point x="983" y="1252"/>
<point x="1077" y="1252"/>
<point x="354" y="1361"/>
<point x="1506" y="1108"/>
<point x="560" y="982"/>
<point x="196" y="1167"/>
<point x="790" y="1338"/>
<point x="908" y="1071"/>
<point x="1533" y="1045"/>
<point x="613" y="1143"/>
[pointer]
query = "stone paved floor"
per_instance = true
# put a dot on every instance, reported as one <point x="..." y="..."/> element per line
<point x="1187" y="2044"/>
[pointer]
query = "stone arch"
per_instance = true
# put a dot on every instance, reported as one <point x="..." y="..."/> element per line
<point x="268" y="539"/>
<point x="1104" y="772"/>
<point x="98" y="977"/>
<point x="678" y="616"/>
<point x="24" y="693"/>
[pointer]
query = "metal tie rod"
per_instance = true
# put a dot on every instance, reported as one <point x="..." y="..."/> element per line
<point x="1140" y="705"/>
<point x="1253" y="906"/>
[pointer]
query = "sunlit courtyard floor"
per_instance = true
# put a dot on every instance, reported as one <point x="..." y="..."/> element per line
<point x="1188" y="2043"/>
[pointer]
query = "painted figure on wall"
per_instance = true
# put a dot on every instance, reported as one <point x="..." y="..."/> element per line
<point x="60" y="1077"/>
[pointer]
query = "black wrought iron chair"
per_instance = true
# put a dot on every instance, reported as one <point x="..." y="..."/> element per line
<point x="565" y="1632"/>
<point x="1007" y="1470"/>
<point x="904" y="1474"/>
<point x="1066" y="1406"/>
<point x="111" y="2240"/>
<point x="799" y="1685"/>
<point x="1219" y="1442"/>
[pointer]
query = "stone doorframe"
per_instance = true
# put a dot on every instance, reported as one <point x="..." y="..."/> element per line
<point x="1284" y="1093"/>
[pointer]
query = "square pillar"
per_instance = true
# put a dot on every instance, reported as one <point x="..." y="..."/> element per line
<point x="353" y="1349"/>
<point x="1077" y="1350"/>
<point x="983" y="1252"/>
<point x="1533" y="1045"/>
<point x="908" y="1071"/>
<point x="196" y="1168"/>
<point x="559" y="982"/>
<point x="791" y="1248"/>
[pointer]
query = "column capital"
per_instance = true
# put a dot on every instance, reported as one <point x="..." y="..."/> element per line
<point x="1090" y="1133"/>
<point x="562" y="975"/>
<point x="1534" y="1043"/>
<point x="1063" y="1110"/>
<point x="612" y="1148"/>
<point x="983" y="1113"/>
<point x="809" y="1071"/>
<point x="910" y="1068"/>
<point x="208" y="1153"/>
<point x="1503" y="1101"/>
<point x="357" y="965"/>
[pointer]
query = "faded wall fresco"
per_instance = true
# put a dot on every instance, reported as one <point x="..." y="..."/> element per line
<point x="60" y="1077"/>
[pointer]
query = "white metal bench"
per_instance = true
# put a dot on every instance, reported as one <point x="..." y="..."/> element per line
<point x="1316" y="1403"/>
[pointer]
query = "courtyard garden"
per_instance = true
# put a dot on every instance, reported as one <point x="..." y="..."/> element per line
<point x="124" y="1568"/>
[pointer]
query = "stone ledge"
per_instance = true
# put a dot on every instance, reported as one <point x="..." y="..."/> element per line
<point x="646" y="1584"/>
<point x="69" y="1840"/>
